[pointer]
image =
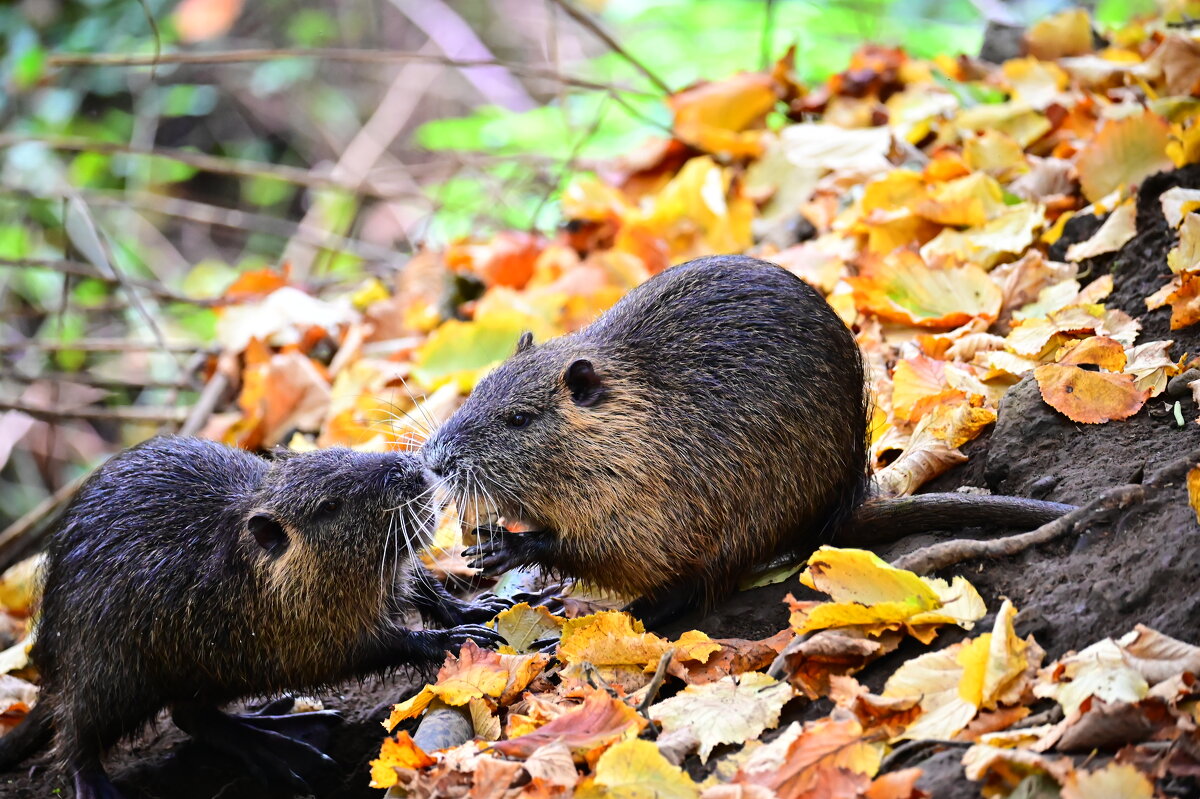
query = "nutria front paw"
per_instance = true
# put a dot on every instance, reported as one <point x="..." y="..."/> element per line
<point x="500" y="551"/>
<point x="453" y="640"/>
<point x="483" y="608"/>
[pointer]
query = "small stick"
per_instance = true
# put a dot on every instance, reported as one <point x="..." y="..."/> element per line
<point x="655" y="684"/>
<point x="100" y="345"/>
<point x="77" y="269"/>
<point x="13" y="539"/>
<point x="947" y="553"/>
<point x="149" y="415"/>
<point x="594" y="28"/>
<point x="212" y="393"/>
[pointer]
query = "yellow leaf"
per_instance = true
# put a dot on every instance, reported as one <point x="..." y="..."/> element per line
<point x="609" y="638"/>
<point x="636" y="770"/>
<point x="1016" y="120"/>
<point x="995" y="153"/>
<point x="933" y="679"/>
<point x="862" y="577"/>
<point x="967" y="201"/>
<point x="410" y="708"/>
<point x="1122" y="153"/>
<point x="462" y="352"/>
<point x="1011" y="232"/>
<point x="1101" y="670"/>
<point x="1036" y="83"/>
<point x="1114" y="781"/>
<point x="522" y="624"/>
<point x="717" y="117"/>
<point x="1067" y="33"/>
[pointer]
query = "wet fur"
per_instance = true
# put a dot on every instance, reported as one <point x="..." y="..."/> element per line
<point x="730" y="428"/>
<point x="155" y="595"/>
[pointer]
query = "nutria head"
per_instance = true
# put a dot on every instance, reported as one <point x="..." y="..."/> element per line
<point x="337" y="517"/>
<point x="558" y="438"/>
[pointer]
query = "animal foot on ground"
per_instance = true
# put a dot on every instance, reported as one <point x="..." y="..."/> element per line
<point x="484" y="608"/>
<point x="483" y="636"/>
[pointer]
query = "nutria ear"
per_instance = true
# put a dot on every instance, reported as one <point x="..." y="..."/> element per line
<point x="525" y="341"/>
<point x="585" y="385"/>
<point x="268" y="533"/>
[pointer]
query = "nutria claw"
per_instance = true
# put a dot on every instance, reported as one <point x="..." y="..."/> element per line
<point x="500" y="551"/>
<point x="484" y="608"/>
<point x="483" y="636"/>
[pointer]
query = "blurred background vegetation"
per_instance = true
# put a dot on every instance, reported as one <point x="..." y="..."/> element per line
<point x="152" y="150"/>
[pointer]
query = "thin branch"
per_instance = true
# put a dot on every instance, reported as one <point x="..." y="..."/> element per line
<point x="87" y="379"/>
<point x="947" y="553"/>
<point x="135" y="414"/>
<point x="215" y="164"/>
<point x="349" y="55"/>
<point x="594" y="28"/>
<point x="80" y="269"/>
<point x="16" y="538"/>
<point x="214" y="389"/>
<point x="98" y="345"/>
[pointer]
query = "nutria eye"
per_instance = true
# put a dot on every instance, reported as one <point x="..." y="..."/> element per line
<point x="518" y="419"/>
<point x="327" y="507"/>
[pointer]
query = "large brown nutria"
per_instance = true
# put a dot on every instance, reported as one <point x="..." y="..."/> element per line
<point x="187" y="574"/>
<point x="711" y="420"/>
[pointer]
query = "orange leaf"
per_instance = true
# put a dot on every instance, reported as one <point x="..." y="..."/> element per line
<point x="1183" y="295"/>
<point x="717" y="117"/>
<point x="827" y="758"/>
<point x="256" y="284"/>
<point x="1123" y="152"/>
<point x="398" y="752"/>
<point x="1089" y="397"/>
<point x="599" y="721"/>
<point x="896" y="785"/>
<point x="474" y="674"/>
<point x="918" y="384"/>
<point x="507" y="260"/>
<point x="1100" y="351"/>
<point x="901" y="288"/>
<point x="1193" y="486"/>
<point x="1065" y="34"/>
<point x="196" y="20"/>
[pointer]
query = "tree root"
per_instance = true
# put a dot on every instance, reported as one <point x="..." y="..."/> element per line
<point x="948" y="553"/>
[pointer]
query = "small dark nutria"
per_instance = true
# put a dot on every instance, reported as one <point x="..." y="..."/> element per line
<point x="712" y="420"/>
<point x="187" y="574"/>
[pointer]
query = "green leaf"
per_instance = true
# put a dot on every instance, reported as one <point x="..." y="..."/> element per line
<point x="29" y="67"/>
<point x="461" y="352"/>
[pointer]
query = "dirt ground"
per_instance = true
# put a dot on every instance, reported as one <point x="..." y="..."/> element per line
<point x="1139" y="565"/>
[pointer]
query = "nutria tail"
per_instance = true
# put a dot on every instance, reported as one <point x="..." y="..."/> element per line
<point x="27" y="738"/>
<point x="884" y="520"/>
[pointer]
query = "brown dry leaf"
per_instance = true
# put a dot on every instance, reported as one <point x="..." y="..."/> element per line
<point x="288" y="392"/>
<point x="599" y="721"/>
<point x="812" y="661"/>
<point x="730" y="710"/>
<point x="887" y="716"/>
<point x="522" y="670"/>
<point x="636" y="770"/>
<point x="1011" y="232"/>
<point x="1183" y="295"/>
<point x="919" y="384"/>
<point x="1124" y="152"/>
<point x="933" y="447"/>
<point x="1185" y="256"/>
<point x="896" y="785"/>
<point x="1002" y="769"/>
<point x="734" y="657"/>
<point x="827" y="758"/>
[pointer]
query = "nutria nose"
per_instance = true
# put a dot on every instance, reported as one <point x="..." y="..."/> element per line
<point x="438" y="461"/>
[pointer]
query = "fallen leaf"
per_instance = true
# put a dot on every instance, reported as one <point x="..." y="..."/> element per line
<point x="904" y="289"/>
<point x="599" y="721"/>
<point x="1124" y="152"/>
<point x="397" y="752"/>
<point x="719" y="117"/>
<point x="1067" y="33"/>
<point x="1114" y="781"/>
<point x="1089" y="397"/>
<point x="1117" y="230"/>
<point x="1193" y="486"/>
<point x="523" y="624"/>
<point x="1185" y="256"/>
<point x="824" y="758"/>
<point x="731" y="710"/>
<point x="636" y="770"/>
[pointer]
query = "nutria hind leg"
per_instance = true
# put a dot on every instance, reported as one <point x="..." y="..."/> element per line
<point x="92" y="783"/>
<point x="272" y="757"/>
<point x="666" y="605"/>
<point x="312" y="727"/>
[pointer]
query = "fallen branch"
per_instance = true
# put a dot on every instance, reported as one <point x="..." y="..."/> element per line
<point x="349" y="55"/>
<point x="87" y="379"/>
<point x="124" y="415"/>
<point x="100" y="345"/>
<point x="947" y="553"/>
<point x="26" y="533"/>
<point x="79" y="269"/>
<point x="214" y="389"/>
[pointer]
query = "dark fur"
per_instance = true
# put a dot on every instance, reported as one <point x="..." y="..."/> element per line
<point x="157" y="595"/>
<point x="728" y="426"/>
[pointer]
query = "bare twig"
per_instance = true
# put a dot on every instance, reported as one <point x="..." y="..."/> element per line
<point x="594" y="28"/>
<point x="79" y="269"/>
<point x="87" y="379"/>
<point x="947" y="553"/>
<point x="136" y="414"/>
<point x="98" y="345"/>
<point x="21" y="535"/>
<point x="349" y="55"/>
<point x="214" y="389"/>
<point x="215" y="164"/>
<point x="656" y="682"/>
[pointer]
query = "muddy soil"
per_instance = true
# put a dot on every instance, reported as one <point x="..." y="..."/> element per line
<point x="1137" y="566"/>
